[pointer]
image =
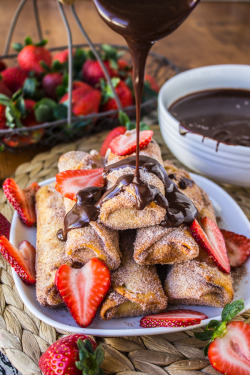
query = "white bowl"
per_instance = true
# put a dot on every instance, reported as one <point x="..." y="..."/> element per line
<point x="230" y="164"/>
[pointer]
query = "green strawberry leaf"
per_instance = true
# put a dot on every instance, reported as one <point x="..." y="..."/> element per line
<point x="57" y="66"/>
<point x="230" y="310"/>
<point x="42" y="43"/>
<point x="203" y="336"/>
<point x="28" y="41"/>
<point x="29" y="87"/>
<point x="45" y="67"/>
<point x="17" y="47"/>
<point x="44" y="110"/>
<point x="79" y="59"/>
<point x="148" y="93"/>
<point x="213" y="324"/>
<point x="4" y="100"/>
<point x="60" y="111"/>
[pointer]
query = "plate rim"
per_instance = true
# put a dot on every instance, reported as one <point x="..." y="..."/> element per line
<point x="116" y="332"/>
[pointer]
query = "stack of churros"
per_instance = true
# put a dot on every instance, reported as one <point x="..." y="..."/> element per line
<point x="131" y="226"/>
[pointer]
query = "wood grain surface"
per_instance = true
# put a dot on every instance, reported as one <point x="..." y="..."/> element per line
<point x="215" y="33"/>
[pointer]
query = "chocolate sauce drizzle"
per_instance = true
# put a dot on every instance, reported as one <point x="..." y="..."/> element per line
<point x="179" y="208"/>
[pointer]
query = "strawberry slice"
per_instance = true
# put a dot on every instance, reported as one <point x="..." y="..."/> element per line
<point x="173" y="318"/>
<point x="111" y="135"/>
<point x="23" y="201"/>
<point x="230" y="354"/>
<point x="83" y="289"/>
<point x="22" y="260"/>
<point x="212" y="241"/>
<point x="4" y="226"/>
<point x="126" y="144"/>
<point x="238" y="247"/>
<point x="68" y="183"/>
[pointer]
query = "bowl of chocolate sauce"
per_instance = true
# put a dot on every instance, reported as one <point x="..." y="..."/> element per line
<point x="204" y="116"/>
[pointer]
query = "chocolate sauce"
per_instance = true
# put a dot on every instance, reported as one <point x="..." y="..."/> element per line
<point x="185" y="182"/>
<point x="221" y="114"/>
<point x="142" y="23"/>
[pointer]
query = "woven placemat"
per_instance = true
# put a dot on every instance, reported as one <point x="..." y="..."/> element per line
<point x="23" y="337"/>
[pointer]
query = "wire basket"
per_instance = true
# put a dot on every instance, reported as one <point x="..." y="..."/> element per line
<point x="67" y="130"/>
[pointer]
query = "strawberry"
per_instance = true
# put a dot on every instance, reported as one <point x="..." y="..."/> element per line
<point x="152" y="83"/>
<point x="4" y="226"/>
<point x="83" y="289"/>
<point x="173" y="318"/>
<point x="62" y="56"/>
<point x="123" y="68"/>
<point x="2" y="117"/>
<point x="68" y="183"/>
<point x="212" y="241"/>
<point x="85" y="100"/>
<point x="2" y="65"/>
<point x="123" y="92"/>
<point x="111" y="135"/>
<point x="238" y="247"/>
<point x="33" y="57"/>
<point x="14" y="78"/>
<point x="23" y="201"/>
<point x="29" y="119"/>
<point x="50" y="82"/>
<point x="92" y="71"/>
<point x="22" y="260"/>
<point x="228" y="348"/>
<point x="70" y="355"/>
<point x="5" y="90"/>
<point x="125" y="144"/>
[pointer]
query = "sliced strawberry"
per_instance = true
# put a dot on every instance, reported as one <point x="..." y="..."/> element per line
<point x="230" y="354"/>
<point x="68" y="183"/>
<point x="23" y="201"/>
<point x="83" y="289"/>
<point x="173" y="318"/>
<point x="212" y="241"/>
<point x="4" y="226"/>
<point x="22" y="260"/>
<point x="126" y="144"/>
<point x="238" y="247"/>
<point x="111" y="135"/>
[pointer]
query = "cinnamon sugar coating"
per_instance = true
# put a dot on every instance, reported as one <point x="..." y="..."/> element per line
<point x="135" y="289"/>
<point x="95" y="240"/>
<point x="120" y="212"/>
<point x="50" y="252"/>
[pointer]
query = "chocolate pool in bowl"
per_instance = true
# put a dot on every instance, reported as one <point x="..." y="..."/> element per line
<point x="204" y="116"/>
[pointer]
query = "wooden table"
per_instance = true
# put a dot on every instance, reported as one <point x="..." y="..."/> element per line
<point x="215" y="33"/>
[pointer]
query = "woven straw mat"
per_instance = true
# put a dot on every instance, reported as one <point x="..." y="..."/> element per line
<point x="23" y="337"/>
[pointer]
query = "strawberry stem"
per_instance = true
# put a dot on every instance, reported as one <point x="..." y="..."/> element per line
<point x="90" y="360"/>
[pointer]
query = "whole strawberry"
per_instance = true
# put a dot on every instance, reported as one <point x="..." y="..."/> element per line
<point x="2" y="117"/>
<point x="4" y="89"/>
<point x="62" y="56"/>
<point x="2" y="65"/>
<point x="124" y="93"/>
<point x="50" y="82"/>
<point x="85" y="100"/>
<point x="14" y="78"/>
<point x="72" y="355"/>
<point x="32" y="57"/>
<point x="92" y="71"/>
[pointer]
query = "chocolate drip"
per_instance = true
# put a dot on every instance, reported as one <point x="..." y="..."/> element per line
<point x="185" y="182"/>
<point x="84" y="210"/>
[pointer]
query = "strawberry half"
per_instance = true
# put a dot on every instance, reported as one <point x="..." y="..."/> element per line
<point x="111" y="135"/>
<point x="126" y="144"/>
<point x="22" y="260"/>
<point x="238" y="247"/>
<point x="23" y="201"/>
<point x="209" y="237"/>
<point x="68" y="183"/>
<point x="173" y="318"/>
<point x="230" y="354"/>
<point x="83" y="289"/>
<point x="4" y="226"/>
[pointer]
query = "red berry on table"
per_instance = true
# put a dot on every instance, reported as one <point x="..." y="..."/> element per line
<point x="14" y="78"/>
<point x="209" y="237"/>
<point x="50" y="82"/>
<point x="22" y="259"/>
<point x="92" y="71"/>
<point x="4" y="226"/>
<point x="173" y="318"/>
<point x="31" y="56"/>
<point x="111" y="135"/>
<point x="23" y="201"/>
<point x="69" y="353"/>
<point x="83" y="289"/>
<point x="124" y="93"/>
<point x="230" y="354"/>
<point x="126" y="144"/>
<point x="238" y="247"/>
<point x="68" y="183"/>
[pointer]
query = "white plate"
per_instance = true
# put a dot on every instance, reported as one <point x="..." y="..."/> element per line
<point x="233" y="219"/>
